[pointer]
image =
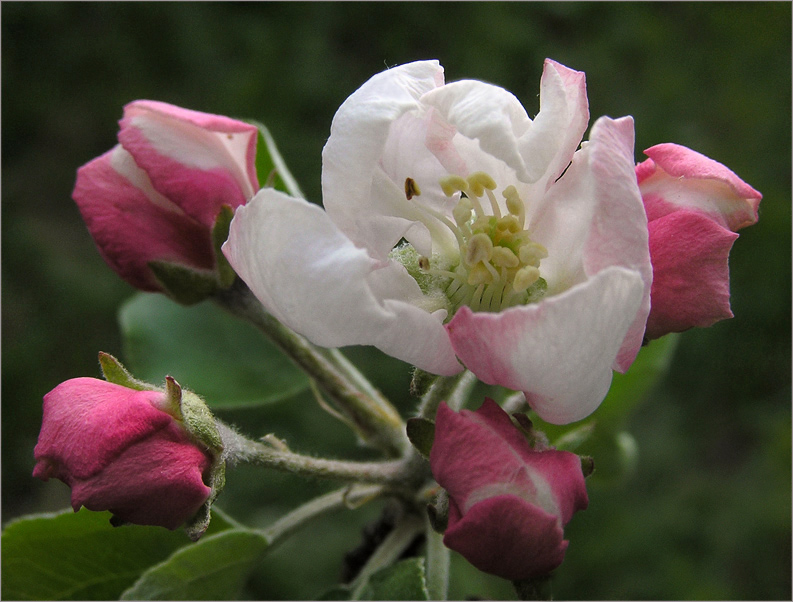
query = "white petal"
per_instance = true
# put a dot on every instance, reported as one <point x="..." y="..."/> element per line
<point x="486" y="113"/>
<point x="358" y="137"/>
<point x="311" y="277"/>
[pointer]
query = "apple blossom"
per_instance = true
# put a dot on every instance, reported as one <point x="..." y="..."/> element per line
<point x="508" y="503"/>
<point x="155" y="197"/>
<point x="694" y="207"/>
<point x="457" y="229"/>
<point x="121" y="449"/>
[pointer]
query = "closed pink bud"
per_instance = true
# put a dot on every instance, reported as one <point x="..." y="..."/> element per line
<point x="157" y="194"/>
<point x="694" y="207"/>
<point x="508" y="503"/>
<point x="119" y="450"/>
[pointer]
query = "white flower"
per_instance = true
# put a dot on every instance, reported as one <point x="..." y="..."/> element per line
<point x="457" y="228"/>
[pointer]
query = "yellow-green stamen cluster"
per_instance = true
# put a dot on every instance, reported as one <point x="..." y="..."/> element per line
<point x="499" y="263"/>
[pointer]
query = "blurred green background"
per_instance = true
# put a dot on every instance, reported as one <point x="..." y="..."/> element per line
<point x="707" y="512"/>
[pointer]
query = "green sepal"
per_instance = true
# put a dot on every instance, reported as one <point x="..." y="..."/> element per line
<point x="438" y="512"/>
<point x="198" y="525"/>
<point x="220" y="233"/>
<point x="534" y="588"/>
<point x="587" y="465"/>
<point x="199" y="422"/>
<point x="114" y="372"/>
<point x="421" y="382"/>
<point x="194" y="413"/>
<point x="421" y="433"/>
<point x="184" y="284"/>
<point x="271" y="168"/>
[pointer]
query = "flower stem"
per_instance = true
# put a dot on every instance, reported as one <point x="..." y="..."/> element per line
<point x="288" y="524"/>
<point x="389" y="551"/>
<point x="453" y="389"/>
<point x="437" y="564"/>
<point x="375" y="419"/>
<point x="237" y="448"/>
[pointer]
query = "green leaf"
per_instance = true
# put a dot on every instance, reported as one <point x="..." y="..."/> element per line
<point x="405" y="580"/>
<point x="215" y="568"/>
<point x="271" y="168"/>
<point x="80" y="556"/>
<point x="228" y="362"/>
<point x="338" y="592"/>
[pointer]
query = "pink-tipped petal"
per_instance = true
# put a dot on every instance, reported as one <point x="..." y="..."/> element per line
<point x="559" y="351"/>
<point x="86" y="421"/>
<point x="691" y="287"/>
<point x="199" y="161"/>
<point x="132" y="224"/>
<point x="679" y="177"/>
<point x="158" y="481"/>
<point x="508" y="537"/>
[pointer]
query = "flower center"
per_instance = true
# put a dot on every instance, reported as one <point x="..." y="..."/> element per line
<point x="498" y="265"/>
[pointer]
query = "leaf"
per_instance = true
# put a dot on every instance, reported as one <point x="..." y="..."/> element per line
<point x="405" y="580"/>
<point x="222" y="358"/>
<point x="338" y="592"/>
<point x="215" y="568"/>
<point x="80" y="556"/>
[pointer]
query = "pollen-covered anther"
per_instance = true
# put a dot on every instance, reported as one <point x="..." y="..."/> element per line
<point x="503" y="257"/>
<point x="479" y="248"/>
<point x="479" y="181"/>
<point x="525" y="277"/>
<point x="531" y="253"/>
<point x="452" y="184"/>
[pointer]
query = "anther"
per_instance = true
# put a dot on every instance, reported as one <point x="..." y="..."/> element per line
<point x="424" y="263"/>
<point x="525" y="277"/>
<point x="514" y="204"/>
<point x="531" y="253"/>
<point x="478" y="181"/>
<point x="452" y="184"/>
<point x="503" y="257"/>
<point x="480" y="248"/>
<point x="411" y="188"/>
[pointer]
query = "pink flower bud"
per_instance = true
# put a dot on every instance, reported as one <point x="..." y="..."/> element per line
<point x="119" y="450"/>
<point x="507" y="502"/>
<point x="694" y="207"/>
<point x="156" y="195"/>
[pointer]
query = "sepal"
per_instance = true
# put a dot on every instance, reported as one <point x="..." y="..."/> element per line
<point x="114" y="372"/>
<point x="421" y="433"/>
